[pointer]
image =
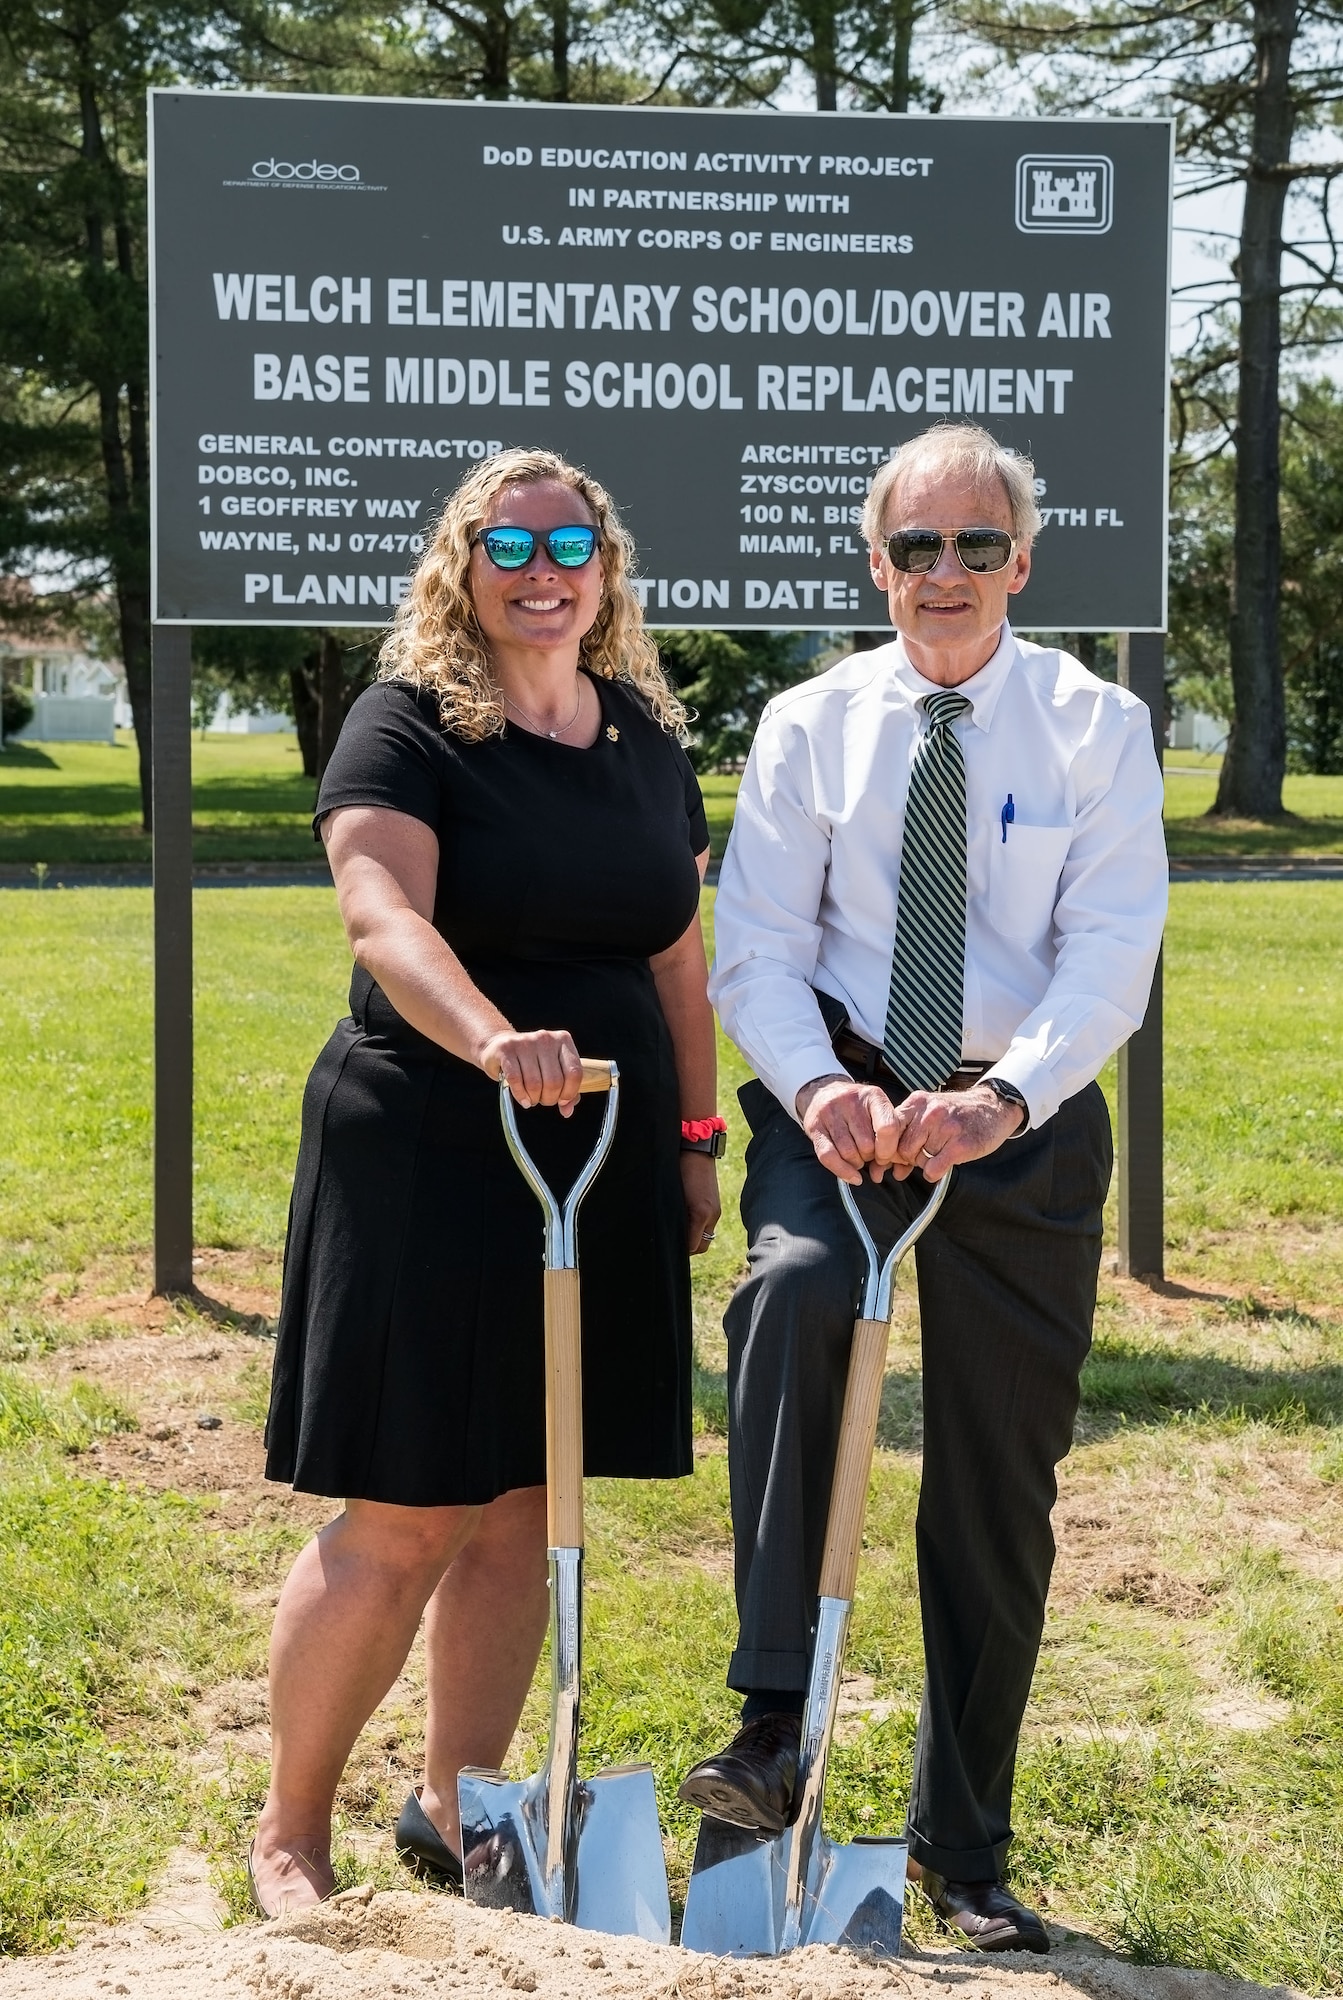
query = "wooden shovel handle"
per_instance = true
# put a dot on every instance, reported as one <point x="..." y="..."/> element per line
<point x="564" y="1410"/>
<point x="598" y="1074"/>
<point x="853" y="1460"/>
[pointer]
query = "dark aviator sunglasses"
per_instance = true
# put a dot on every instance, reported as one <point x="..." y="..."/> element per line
<point x="979" y="550"/>
<point x="513" y="548"/>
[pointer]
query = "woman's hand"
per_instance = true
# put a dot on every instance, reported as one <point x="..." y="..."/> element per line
<point x="699" y="1184"/>
<point x="539" y="1068"/>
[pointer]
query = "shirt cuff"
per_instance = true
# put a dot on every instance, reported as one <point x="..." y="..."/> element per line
<point x="818" y="1059"/>
<point x="1035" y="1081"/>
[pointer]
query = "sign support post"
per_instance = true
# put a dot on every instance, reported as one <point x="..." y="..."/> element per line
<point x="1141" y="1069"/>
<point x="172" y="959"/>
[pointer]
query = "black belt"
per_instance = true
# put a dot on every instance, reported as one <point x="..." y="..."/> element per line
<point x="868" y="1065"/>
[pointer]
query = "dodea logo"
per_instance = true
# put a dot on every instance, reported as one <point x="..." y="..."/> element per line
<point x="301" y="170"/>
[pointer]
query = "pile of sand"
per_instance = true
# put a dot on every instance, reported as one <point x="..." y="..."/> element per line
<point x="368" y="1947"/>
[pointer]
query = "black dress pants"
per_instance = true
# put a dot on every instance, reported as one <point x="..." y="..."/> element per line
<point x="1007" y="1292"/>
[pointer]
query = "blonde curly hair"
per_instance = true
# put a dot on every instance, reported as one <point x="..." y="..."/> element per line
<point x="436" y="641"/>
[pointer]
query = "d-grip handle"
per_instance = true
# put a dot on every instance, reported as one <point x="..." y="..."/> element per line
<point x="598" y="1073"/>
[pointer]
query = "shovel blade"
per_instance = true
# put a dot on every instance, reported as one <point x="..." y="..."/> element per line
<point x="619" y="1877"/>
<point x="857" y="1896"/>
<point x="735" y="1907"/>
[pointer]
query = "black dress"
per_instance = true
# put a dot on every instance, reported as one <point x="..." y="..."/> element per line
<point x="409" y="1358"/>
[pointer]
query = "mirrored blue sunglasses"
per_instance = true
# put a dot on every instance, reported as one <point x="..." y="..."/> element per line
<point x="513" y="548"/>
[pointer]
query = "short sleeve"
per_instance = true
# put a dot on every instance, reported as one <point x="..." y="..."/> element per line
<point x="696" y="821"/>
<point x="389" y="753"/>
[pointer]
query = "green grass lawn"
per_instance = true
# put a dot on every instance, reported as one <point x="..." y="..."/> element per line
<point x="1254" y="1100"/>
<point x="79" y="802"/>
<point x="68" y="802"/>
<point x="1313" y="822"/>
<point x="1181" y="1781"/>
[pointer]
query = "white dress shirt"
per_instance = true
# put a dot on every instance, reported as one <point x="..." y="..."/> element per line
<point x="1065" y="902"/>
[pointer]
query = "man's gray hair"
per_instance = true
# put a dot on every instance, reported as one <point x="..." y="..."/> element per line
<point x="965" y="451"/>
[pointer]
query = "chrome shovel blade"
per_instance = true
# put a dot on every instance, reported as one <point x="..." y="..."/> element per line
<point x="854" y="1897"/>
<point x="859" y="1896"/>
<point x="618" y="1875"/>
<point x="588" y="1851"/>
<point x="735" y="1905"/>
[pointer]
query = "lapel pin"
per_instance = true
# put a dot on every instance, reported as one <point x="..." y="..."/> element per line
<point x="613" y="734"/>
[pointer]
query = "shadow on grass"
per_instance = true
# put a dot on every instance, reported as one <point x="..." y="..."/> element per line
<point x="1125" y="1384"/>
<point x="24" y="757"/>
<point x="1121" y="1384"/>
<point x="196" y="1304"/>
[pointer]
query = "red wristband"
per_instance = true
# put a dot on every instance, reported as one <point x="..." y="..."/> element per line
<point x="702" y="1128"/>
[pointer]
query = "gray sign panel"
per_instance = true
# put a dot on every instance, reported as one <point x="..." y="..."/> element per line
<point x="730" y="317"/>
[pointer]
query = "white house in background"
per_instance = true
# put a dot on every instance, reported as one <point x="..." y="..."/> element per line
<point x="237" y="722"/>
<point x="1190" y="729"/>
<point x="77" y="698"/>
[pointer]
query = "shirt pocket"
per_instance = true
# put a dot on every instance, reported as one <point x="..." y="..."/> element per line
<point x="1024" y="875"/>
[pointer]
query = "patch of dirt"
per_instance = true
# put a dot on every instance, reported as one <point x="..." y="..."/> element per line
<point x="234" y="1286"/>
<point x="1245" y="1711"/>
<point x="366" y="1947"/>
<point x="859" y="1707"/>
<point x="186" y="1898"/>
<point x="1205" y="1495"/>
<point x="182" y="1382"/>
<point x="1156" y="1589"/>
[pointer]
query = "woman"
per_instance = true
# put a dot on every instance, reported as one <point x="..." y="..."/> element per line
<point x="518" y="842"/>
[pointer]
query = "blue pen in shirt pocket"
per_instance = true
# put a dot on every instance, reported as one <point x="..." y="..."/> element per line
<point x="1009" y="813"/>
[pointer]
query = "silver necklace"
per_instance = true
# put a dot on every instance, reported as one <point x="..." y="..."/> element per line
<point x="540" y="729"/>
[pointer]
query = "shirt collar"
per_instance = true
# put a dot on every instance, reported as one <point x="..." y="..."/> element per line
<point x="982" y="689"/>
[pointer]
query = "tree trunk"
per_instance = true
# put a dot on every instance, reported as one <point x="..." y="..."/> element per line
<point x="497" y="49"/>
<point x="306" y="710"/>
<point x="126" y="490"/>
<point x="559" y="48"/>
<point x="330" y="702"/>
<point x="822" y="21"/>
<point x="1250" y="785"/>
<point x="900" y="54"/>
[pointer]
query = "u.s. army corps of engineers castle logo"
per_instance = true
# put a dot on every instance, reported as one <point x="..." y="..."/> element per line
<point x="1065" y="194"/>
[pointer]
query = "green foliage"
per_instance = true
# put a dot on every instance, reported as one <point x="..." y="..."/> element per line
<point x="16" y="708"/>
<point x="747" y="51"/>
<point x="1202" y="533"/>
<point x="725" y="679"/>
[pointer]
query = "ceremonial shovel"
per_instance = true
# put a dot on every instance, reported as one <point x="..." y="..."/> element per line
<point x="751" y="1894"/>
<point x="589" y="1851"/>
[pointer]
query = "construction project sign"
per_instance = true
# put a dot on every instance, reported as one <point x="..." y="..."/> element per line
<point x="731" y="318"/>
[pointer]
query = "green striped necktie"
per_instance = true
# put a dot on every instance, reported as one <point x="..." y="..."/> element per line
<point x="927" y="1004"/>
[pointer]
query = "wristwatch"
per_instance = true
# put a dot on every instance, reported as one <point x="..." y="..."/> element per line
<point x="704" y="1135"/>
<point x="1011" y="1095"/>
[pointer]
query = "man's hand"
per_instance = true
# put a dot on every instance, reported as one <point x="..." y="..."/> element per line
<point x="855" y="1126"/>
<point x="942" y="1128"/>
<point x="852" y="1126"/>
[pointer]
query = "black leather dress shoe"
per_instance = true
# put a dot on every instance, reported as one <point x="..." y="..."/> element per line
<point x="421" y="1847"/>
<point x="986" y="1914"/>
<point x="750" y="1784"/>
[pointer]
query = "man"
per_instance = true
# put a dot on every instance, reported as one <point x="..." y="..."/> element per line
<point x="939" y="914"/>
